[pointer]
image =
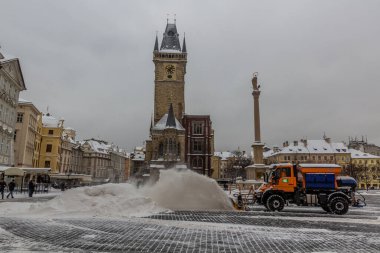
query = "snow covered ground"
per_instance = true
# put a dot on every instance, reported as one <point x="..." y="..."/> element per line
<point x="183" y="212"/>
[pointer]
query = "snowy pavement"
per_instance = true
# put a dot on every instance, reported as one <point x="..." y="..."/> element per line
<point x="123" y="218"/>
<point x="294" y="230"/>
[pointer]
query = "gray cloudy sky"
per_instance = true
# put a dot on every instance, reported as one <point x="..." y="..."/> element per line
<point x="91" y="63"/>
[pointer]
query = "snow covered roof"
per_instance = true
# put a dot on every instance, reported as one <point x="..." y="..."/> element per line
<point x="68" y="138"/>
<point x="361" y="155"/>
<point x="300" y="148"/>
<point x="319" y="146"/>
<point x="49" y="121"/>
<point x="162" y="124"/>
<point x="98" y="146"/>
<point x="23" y="101"/>
<point x="311" y="147"/>
<point x="224" y="155"/>
<point x="268" y="153"/>
<point x="339" y="147"/>
<point x="138" y="156"/>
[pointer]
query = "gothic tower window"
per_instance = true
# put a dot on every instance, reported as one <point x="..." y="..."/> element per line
<point x="197" y="163"/>
<point x="161" y="150"/>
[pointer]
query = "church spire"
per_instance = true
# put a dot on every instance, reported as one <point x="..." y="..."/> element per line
<point x="184" y="45"/>
<point x="156" y="44"/>
<point x="170" y="40"/>
<point x="170" y="122"/>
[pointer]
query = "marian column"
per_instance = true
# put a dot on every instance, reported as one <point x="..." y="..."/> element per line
<point x="257" y="145"/>
<point x="257" y="169"/>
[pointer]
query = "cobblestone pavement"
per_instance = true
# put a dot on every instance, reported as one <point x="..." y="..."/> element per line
<point x="294" y="230"/>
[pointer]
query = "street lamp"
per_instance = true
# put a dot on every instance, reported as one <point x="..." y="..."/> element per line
<point x="365" y="172"/>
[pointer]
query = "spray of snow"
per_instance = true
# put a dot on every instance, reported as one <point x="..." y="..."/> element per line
<point x="187" y="190"/>
<point x="175" y="190"/>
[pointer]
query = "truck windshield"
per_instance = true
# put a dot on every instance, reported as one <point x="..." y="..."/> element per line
<point x="273" y="176"/>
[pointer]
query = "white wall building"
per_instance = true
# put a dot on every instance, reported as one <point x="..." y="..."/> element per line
<point x="11" y="83"/>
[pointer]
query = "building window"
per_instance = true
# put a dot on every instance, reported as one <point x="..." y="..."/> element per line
<point x="197" y="127"/>
<point x="197" y="162"/>
<point x="49" y="148"/>
<point x="14" y="135"/>
<point x="47" y="164"/>
<point x="197" y="146"/>
<point x="20" y="116"/>
<point x="51" y="132"/>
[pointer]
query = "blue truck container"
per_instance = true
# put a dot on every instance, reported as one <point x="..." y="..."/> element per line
<point x="320" y="180"/>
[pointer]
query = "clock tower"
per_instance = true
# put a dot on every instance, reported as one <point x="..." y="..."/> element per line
<point x="176" y="139"/>
<point x="170" y="69"/>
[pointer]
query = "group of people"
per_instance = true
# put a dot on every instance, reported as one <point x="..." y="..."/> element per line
<point x="12" y="186"/>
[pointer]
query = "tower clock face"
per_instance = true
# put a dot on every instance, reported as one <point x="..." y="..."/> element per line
<point x="170" y="69"/>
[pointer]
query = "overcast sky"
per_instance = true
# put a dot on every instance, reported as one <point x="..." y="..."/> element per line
<point x="91" y="63"/>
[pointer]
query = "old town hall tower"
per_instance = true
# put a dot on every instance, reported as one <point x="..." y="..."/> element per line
<point x="170" y="69"/>
<point x="176" y="138"/>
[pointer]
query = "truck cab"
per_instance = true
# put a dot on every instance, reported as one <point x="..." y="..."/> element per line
<point x="306" y="184"/>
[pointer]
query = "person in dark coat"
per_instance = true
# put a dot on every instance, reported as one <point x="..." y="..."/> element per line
<point x="31" y="188"/>
<point x="2" y="188"/>
<point x="11" y="187"/>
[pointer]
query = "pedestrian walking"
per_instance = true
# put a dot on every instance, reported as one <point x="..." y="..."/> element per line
<point x="31" y="188"/>
<point x="2" y="188"/>
<point x="11" y="187"/>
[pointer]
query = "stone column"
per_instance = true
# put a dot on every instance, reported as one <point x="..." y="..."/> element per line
<point x="258" y="146"/>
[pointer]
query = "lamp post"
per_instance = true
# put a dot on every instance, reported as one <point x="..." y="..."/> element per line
<point x="365" y="172"/>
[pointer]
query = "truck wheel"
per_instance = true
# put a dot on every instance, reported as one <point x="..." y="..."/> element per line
<point x="338" y="205"/>
<point x="275" y="203"/>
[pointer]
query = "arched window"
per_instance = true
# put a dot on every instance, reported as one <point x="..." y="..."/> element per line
<point x="197" y="163"/>
<point x="161" y="149"/>
<point x="170" y="146"/>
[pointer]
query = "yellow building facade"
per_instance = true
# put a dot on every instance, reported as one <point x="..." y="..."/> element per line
<point x="25" y="133"/>
<point x="365" y="168"/>
<point x="51" y="143"/>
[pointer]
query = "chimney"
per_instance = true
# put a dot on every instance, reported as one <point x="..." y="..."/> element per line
<point x="328" y="140"/>
<point x="295" y="143"/>
<point x="304" y="142"/>
<point x="276" y="149"/>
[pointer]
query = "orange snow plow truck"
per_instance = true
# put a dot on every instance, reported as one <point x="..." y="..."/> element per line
<point x="307" y="184"/>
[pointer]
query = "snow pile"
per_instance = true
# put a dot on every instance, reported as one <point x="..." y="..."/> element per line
<point x="187" y="190"/>
<point x="116" y="200"/>
<point x="175" y="190"/>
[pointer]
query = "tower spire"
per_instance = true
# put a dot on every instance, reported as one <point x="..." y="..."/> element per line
<point x="170" y="39"/>
<point x="184" y="50"/>
<point x="170" y="122"/>
<point x="156" y="44"/>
